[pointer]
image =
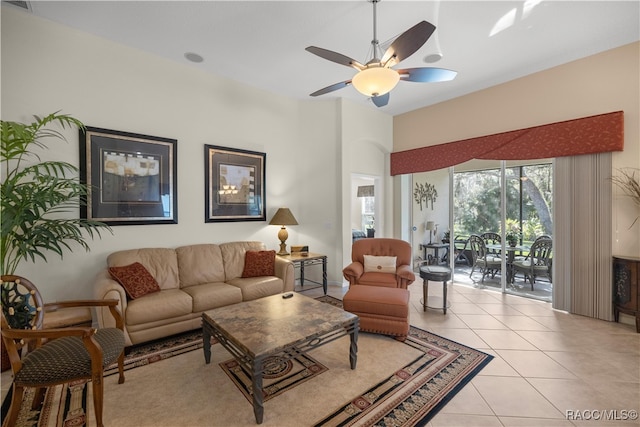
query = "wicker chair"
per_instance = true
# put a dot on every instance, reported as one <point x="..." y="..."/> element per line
<point x="537" y="263"/>
<point x="41" y="358"/>
<point x="482" y="259"/>
<point x="491" y="238"/>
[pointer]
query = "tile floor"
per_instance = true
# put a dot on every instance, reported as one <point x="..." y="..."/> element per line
<point x="550" y="368"/>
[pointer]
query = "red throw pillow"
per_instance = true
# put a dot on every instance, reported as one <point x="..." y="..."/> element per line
<point x="135" y="279"/>
<point x="259" y="263"/>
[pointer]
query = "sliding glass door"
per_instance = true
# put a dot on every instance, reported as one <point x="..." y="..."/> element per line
<point x="478" y="196"/>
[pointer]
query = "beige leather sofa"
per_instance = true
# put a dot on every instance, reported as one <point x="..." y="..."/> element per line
<point x="192" y="279"/>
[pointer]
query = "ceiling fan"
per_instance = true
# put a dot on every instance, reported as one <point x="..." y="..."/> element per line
<point x="376" y="78"/>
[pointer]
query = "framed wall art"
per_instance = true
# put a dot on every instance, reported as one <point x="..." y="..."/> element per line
<point x="234" y="184"/>
<point x="132" y="178"/>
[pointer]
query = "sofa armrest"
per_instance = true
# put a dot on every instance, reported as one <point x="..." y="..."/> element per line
<point x="352" y="272"/>
<point x="107" y="288"/>
<point x="404" y="276"/>
<point x="285" y="271"/>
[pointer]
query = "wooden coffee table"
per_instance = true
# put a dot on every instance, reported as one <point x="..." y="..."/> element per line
<point x="254" y="330"/>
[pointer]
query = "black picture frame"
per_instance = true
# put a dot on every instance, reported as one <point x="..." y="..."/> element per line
<point x="132" y="178"/>
<point x="235" y="182"/>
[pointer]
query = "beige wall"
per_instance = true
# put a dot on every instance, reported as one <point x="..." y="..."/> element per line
<point x="598" y="84"/>
<point x="47" y="67"/>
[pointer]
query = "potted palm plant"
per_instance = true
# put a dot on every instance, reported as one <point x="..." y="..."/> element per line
<point x="37" y="198"/>
<point x="37" y="195"/>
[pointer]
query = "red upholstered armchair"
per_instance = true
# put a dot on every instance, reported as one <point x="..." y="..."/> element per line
<point x="377" y="269"/>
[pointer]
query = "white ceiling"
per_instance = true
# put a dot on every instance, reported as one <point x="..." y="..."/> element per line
<point x="261" y="43"/>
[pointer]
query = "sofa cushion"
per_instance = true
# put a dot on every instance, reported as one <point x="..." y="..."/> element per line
<point x="233" y="257"/>
<point x="380" y="264"/>
<point x="212" y="295"/>
<point x="200" y="264"/>
<point x="258" y="287"/>
<point x="259" y="263"/>
<point x="135" y="279"/>
<point x="162" y="263"/>
<point x="163" y="305"/>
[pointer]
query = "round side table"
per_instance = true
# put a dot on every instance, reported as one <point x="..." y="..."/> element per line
<point x="436" y="273"/>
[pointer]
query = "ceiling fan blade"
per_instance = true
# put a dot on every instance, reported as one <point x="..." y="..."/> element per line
<point x="426" y="74"/>
<point x="381" y="101"/>
<point x="331" y="88"/>
<point x="408" y="43"/>
<point x="335" y="57"/>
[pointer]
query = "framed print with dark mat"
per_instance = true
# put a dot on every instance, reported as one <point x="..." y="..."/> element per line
<point x="234" y="184"/>
<point x="132" y="178"/>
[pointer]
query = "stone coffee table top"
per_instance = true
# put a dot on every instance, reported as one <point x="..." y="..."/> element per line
<point x="269" y="325"/>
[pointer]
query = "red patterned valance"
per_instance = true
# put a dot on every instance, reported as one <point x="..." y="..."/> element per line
<point x="588" y="135"/>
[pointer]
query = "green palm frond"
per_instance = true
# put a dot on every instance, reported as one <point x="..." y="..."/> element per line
<point x="40" y="199"/>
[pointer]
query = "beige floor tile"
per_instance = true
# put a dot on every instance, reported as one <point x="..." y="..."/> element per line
<point x="520" y="323"/>
<point x="466" y="336"/>
<point x="578" y="395"/>
<point x="468" y="308"/>
<point x="482" y="321"/>
<point x="502" y="309"/>
<point x="515" y="397"/>
<point x="534" y="422"/>
<point x="504" y="340"/>
<point x="553" y="341"/>
<point x="437" y="319"/>
<point x="534" y="364"/>
<point x="457" y="420"/>
<point x="498" y="367"/>
<point x="467" y="402"/>
<point x="595" y="368"/>
<point x="541" y="309"/>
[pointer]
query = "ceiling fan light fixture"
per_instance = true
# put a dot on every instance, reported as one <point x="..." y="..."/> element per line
<point x="375" y="81"/>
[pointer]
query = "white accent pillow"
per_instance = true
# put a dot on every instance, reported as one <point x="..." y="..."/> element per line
<point x="380" y="264"/>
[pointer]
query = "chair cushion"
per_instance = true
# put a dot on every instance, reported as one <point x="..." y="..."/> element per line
<point x="259" y="263"/>
<point x="66" y="358"/>
<point x="379" y="279"/>
<point x="380" y="264"/>
<point x="135" y="279"/>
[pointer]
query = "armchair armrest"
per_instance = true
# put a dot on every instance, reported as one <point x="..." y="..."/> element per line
<point x="405" y="276"/>
<point x="284" y="270"/>
<point x="352" y="272"/>
<point x="105" y="288"/>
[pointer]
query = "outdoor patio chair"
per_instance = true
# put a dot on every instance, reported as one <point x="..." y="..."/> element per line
<point x="491" y="238"/>
<point x="538" y="262"/>
<point x="482" y="259"/>
<point x="461" y="252"/>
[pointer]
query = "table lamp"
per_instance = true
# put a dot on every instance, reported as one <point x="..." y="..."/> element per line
<point x="430" y="226"/>
<point x="283" y="217"/>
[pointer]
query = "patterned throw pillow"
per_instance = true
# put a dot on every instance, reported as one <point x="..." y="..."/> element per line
<point x="380" y="264"/>
<point x="135" y="279"/>
<point x="259" y="263"/>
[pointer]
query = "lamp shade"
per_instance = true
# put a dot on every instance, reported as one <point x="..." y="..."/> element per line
<point x="283" y="217"/>
<point x="366" y="191"/>
<point x="375" y="81"/>
<point x="430" y="225"/>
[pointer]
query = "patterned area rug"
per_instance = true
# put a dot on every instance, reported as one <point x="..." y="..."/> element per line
<point x="280" y="376"/>
<point x="409" y="397"/>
